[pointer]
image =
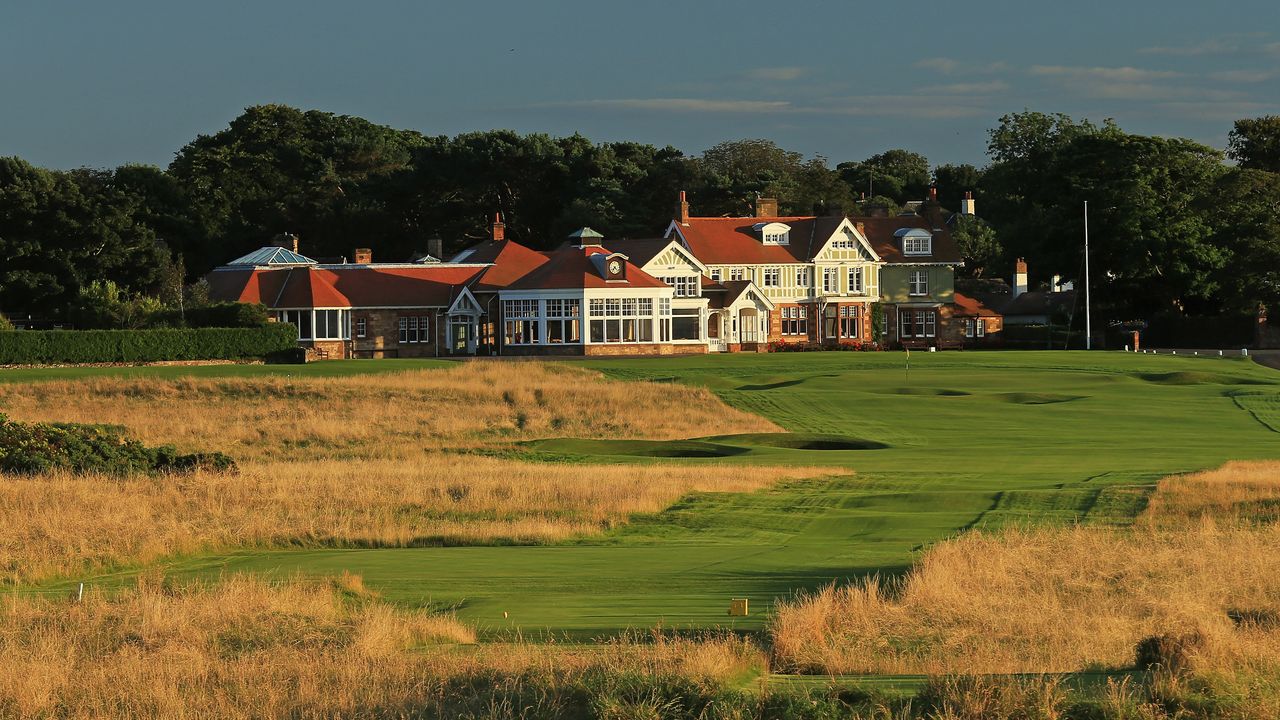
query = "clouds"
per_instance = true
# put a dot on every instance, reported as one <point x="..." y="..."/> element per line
<point x="1103" y="74"/>
<point x="951" y="66"/>
<point x="684" y="105"/>
<point x="1228" y="44"/>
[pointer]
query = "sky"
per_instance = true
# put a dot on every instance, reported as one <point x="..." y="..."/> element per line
<point x="101" y="84"/>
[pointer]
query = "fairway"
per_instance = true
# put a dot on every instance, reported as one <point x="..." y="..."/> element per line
<point x="960" y="440"/>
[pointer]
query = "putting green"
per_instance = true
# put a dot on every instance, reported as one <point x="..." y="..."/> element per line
<point x="959" y="440"/>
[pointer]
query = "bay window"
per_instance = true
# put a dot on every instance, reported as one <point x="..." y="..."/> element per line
<point x="318" y="324"/>
<point x="622" y="320"/>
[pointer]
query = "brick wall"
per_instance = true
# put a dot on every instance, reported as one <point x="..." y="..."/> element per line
<point x="382" y="334"/>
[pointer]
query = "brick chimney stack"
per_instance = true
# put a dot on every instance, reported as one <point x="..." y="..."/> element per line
<point x="499" y="228"/>
<point x="1019" y="277"/>
<point x="766" y="207"/>
<point x="364" y="256"/>
<point x="288" y="241"/>
<point x="682" y="210"/>
<point x="931" y="209"/>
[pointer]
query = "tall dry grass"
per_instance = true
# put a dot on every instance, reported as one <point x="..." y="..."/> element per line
<point x="65" y="524"/>
<point x="383" y="416"/>
<point x="248" y="649"/>
<point x="360" y="460"/>
<point x="1061" y="599"/>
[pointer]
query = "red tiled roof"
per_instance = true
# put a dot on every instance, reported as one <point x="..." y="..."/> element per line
<point x="354" y="286"/>
<point x="733" y="241"/>
<point x="571" y="267"/>
<point x="972" y="307"/>
<point x="511" y="261"/>
<point x="880" y="233"/>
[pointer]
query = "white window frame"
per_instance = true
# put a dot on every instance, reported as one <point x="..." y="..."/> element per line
<point x="918" y="283"/>
<point x="917" y="244"/>
<point x="684" y="285"/>
<point x="831" y="280"/>
<point x="737" y="274"/>
<point x="521" y="322"/>
<point x="771" y="277"/>
<point x="626" y="320"/>
<point x="857" y="281"/>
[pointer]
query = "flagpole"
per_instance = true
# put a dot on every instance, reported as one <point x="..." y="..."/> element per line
<point x="1088" y="321"/>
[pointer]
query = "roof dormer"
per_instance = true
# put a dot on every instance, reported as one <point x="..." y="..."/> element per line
<point x="611" y="266"/>
<point x="773" y="233"/>
<point x="915" y="241"/>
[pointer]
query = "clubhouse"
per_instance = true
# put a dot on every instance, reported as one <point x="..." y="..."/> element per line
<point x="708" y="284"/>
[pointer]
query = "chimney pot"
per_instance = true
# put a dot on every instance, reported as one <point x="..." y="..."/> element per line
<point x="499" y="232"/>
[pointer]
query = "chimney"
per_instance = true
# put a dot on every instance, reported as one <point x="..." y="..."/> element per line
<point x="931" y="209"/>
<point x="364" y="256"/>
<point x="499" y="229"/>
<point x="435" y="247"/>
<point x="966" y="205"/>
<point x="766" y="207"/>
<point x="1056" y="285"/>
<point x="287" y="240"/>
<point x="682" y="210"/>
<point x="1019" y="277"/>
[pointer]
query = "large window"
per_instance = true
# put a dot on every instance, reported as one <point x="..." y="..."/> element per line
<point x="918" y="283"/>
<point x="319" y="324"/>
<point x="684" y="286"/>
<point x="520" y="320"/>
<point x="685" y="324"/>
<point x="850" y="322"/>
<point x="830" y="281"/>
<point x="917" y="324"/>
<point x="772" y="277"/>
<point x="856" y="284"/>
<point x="564" y="321"/>
<point x="625" y="320"/>
<point x="415" y="329"/>
<point x="795" y="321"/>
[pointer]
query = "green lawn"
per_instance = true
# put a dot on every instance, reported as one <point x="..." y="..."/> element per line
<point x="961" y="440"/>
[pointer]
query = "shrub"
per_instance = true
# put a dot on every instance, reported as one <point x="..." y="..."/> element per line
<point x="844" y="345"/>
<point x="217" y="315"/>
<point x="1168" y="652"/>
<point x="30" y="448"/>
<point x="92" y="346"/>
<point x="5" y="325"/>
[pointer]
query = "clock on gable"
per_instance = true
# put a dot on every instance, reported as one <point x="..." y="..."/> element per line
<point x="615" y="268"/>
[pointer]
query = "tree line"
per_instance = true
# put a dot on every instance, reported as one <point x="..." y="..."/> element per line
<point x="1176" y="226"/>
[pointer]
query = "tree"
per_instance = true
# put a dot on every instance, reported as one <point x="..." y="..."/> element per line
<point x="1243" y="209"/>
<point x="737" y="172"/>
<point x="953" y="181"/>
<point x="900" y="174"/>
<point x="277" y="169"/>
<point x="978" y="244"/>
<point x="1255" y="143"/>
<point x="61" y="230"/>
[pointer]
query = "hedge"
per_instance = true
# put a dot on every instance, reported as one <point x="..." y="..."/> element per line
<point x="30" y="448"/>
<point x="217" y="315"/>
<point x="43" y="347"/>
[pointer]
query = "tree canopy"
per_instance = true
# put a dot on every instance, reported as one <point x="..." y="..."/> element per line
<point x="1172" y="226"/>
